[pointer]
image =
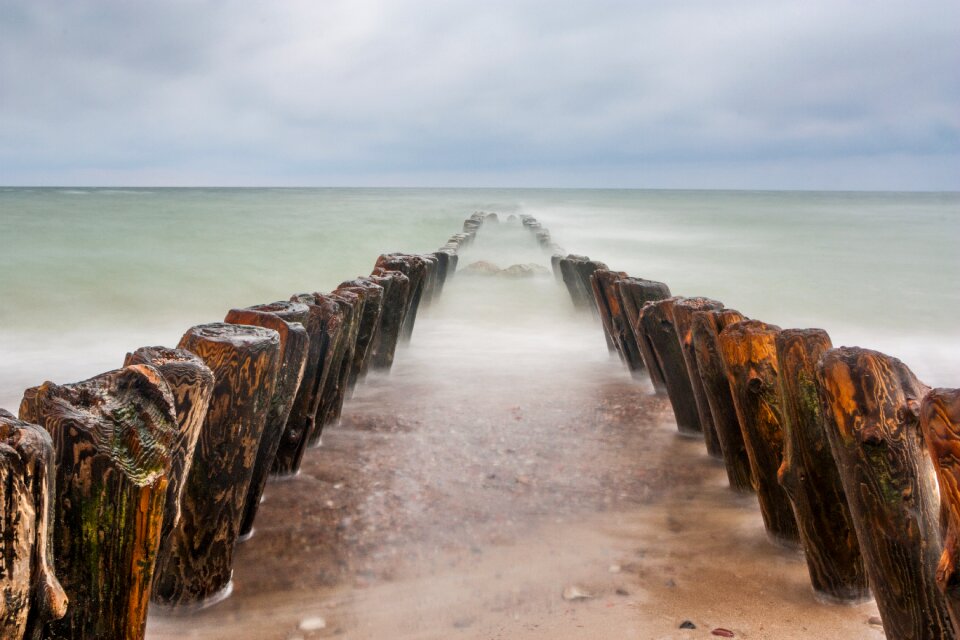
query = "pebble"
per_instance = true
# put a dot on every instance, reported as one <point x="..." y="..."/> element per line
<point x="313" y="624"/>
<point x="875" y="620"/>
<point x="723" y="633"/>
<point x="622" y="592"/>
<point x="575" y="593"/>
<point x="614" y="568"/>
<point x="686" y="624"/>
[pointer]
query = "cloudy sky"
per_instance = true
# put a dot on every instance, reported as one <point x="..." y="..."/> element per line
<point x="838" y="94"/>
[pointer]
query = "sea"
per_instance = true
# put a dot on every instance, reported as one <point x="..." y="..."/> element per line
<point x="88" y="274"/>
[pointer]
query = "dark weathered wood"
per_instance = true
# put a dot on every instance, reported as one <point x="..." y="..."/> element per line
<point x="30" y="594"/>
<point x="706" y="327"/>
<point x="286" y="318"/>
<point x="351" y="307"/>
<point x="431" y="279"/>
<point x="191" y="384"/>
<point x="870" y="402"/>
<point x="634" y="293"/>
<point x="416" y="270"/>
<point x="396" y="293"/>
<point x="656" y="320"/>
<point x="683" y="312"/>
<point x="579" y="294"/>
<point x="197" y="561"/>
<point x="606" y="294"/>
<point x="584" y="270"/>
<point x="371" y="296"/>
<point x="750" y="354"/>
<point x="112" y="436"/>
<point x="810" y="476"/>
<point x="940" y="423"/>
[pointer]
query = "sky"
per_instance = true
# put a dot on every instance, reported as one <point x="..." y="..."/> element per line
<point x="764" y="94"/>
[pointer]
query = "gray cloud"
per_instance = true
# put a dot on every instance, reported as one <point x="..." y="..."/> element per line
<point x="832" y="94"/>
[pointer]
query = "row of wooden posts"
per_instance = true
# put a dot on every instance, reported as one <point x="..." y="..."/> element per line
<point x="851" y="457"/>
<point x="137" y="484"/>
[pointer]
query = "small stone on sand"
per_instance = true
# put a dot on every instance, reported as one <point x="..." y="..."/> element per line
<point x="575" y="593"/>
<point x="313" y="624"/>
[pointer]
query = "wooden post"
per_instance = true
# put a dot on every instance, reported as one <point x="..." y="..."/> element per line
<point x="350" y="306"/>
<point x="683" y="312"/>
<point x="940" y="423"/>
<point x="396" y="293"/>
<point x="431" y="284"/>
<point x="197" y="561"/>
<point x="324" y="324"/>
<point x="750" y="354"/>
<point x="191" y="384"/>
<point x="416" y="271"/>
<point x="286" y="318"/>
<point x="584" y="269"/>
<point x="634" y="293"/>
<point x="606" y="293"/>
<point x="706" y="327"/>
<point x="656" y="320"/>
<point x="810" y="476"/>
<point x="579" y="294"/>
<point x="871" y="402"/>
<point x="30" y="594"/>
<point x="371" y="295"/>
<point x="112" y="436"/>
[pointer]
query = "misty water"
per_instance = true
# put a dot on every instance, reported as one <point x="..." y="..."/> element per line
<point x="508" y="455"/>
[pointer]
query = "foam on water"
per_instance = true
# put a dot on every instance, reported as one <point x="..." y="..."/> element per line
<point x="85" y="279"/>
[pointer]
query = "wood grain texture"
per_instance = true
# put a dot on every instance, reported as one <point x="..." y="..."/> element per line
<point x="286" y="319"/>
<point x="870" y="402"/>
<point x="940" y="423"/>
<point x="683" y="312"/>
<point x="750" y="354"/>
<point x="350" y="306"/>
<point x="198" y="555"/>
<point x="705" y="333"/>
<point x="634" y="294"/>
<point x="579" y="293"/>
<point x="191" y="385"/>
<point x="431" y="280"/>
<point x="30" y="594"/>
<point x="371" y="295"/>
<point x="416" y="270"/>
<point x="112" y="436"/>
<point x="334" y="349"/>
<point x="810" y="476"/>
<point x="606" y="291"/>
<point x="656" y="320"/>
<point x="396" y="294"/>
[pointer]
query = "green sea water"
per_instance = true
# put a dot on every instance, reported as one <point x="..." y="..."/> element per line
<point x="89" y="274"/>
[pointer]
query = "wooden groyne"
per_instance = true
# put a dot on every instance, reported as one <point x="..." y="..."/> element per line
<point x="137" y="485"/>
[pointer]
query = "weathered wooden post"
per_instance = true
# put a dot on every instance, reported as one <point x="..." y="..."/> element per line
<point x="683" y="312"/>
<point x="871" y="401"/>
<point x="286" y="318"/>
<point x="371" y="295"/>
<point x="940" y="422"/>
<point x="634" y="293"/>
<point x="810" y="476"/>
<point x="351" y="307"/>
<point x="112" y="436"/>
<point x="30" y="594"/>
<point x="606" y="292"/>
<point x="579" y="294"/>
<point x="416" y="270"/>
<point x="396" y="293"/>
<point x="750" y="354"/>
<point x="706" y="327"/>
<point x="431" y="284"/>
<point x="656" y="320"/>
<point x="584" y="269"/>
<point x="197" y="561"/>
<point x="191" y="385"/>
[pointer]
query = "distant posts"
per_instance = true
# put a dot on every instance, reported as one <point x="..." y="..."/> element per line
<point x="871" y="402"/>
<point x="940" y="422"/>
<point x="191" y="385"/>
<point x="30" y="594"/>
<point x="750" y="354"/>
<point x="286" y="319"/>
<point x="810" y="476"/>
<point x="198" y="561"/>
<point x="656" y="323"/>
<point x="705" y="333"/>
<point x="112" y="436"/>
<point x="683" y="312"/>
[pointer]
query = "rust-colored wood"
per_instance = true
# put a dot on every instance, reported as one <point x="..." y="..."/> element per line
<point x="197" y="561"/>
<point x="351" y="307"/>
<point x="810" y="476"/>
<point x="606" y="292"/>
<point x="30" y="594"/>
<point x="191" y="384"/>
<point x="870" y="402"/>
<point x="940" y="423"/>
<point x="705" y="332"/>
<point x="634" y="293"/>
<point x="396" y="293"/>
<point x="286" y="318"/>
<point x="656" y="320"/>
<point x="371" y="294"/>
<point x="112" y="436"/>
<point x="683" y="312"/>
<point x="416" y="270"/>
<point x="750" y="354"/>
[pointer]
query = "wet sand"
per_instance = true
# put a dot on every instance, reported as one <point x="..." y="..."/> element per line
<point x="503" y="461"/>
